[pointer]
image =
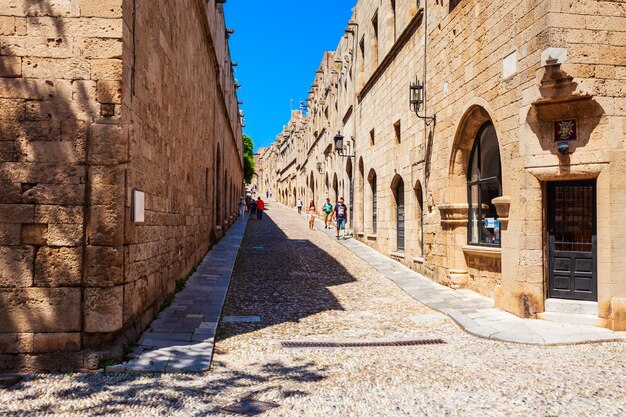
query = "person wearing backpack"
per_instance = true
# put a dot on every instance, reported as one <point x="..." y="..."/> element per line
<point x="327" y="208"/>
<point x="341" y="216"/>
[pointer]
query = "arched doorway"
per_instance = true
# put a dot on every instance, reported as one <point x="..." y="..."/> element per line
<point x="350" y="191"/>
<point x="397" y="186"/>
<point x="218" y="187"/>
<point x="419" y="216"/>
<point x="371" y="178"/>
<point x="335" y="188"/>
<point x="362" y="194"/>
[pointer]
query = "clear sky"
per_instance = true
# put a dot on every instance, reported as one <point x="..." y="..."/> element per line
<point x="278" y="45"/>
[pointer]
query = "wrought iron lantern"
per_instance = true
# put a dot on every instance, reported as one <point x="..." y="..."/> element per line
<point x="416" y="99"/>
<point x="339" y="142"/>
<point x="319" y="167"/>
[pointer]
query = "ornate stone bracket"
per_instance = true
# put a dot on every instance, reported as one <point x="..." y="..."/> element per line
<point x="502" y="207"/>
<point x="453" y="215"/>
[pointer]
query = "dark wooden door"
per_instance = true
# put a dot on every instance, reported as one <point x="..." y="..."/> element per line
<point x="572" y="240"/>
<point x="400" y="216"/>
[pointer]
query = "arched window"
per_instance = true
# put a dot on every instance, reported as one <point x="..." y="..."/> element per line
<point x="484" y="183"/>
<point x="372" y="181"/>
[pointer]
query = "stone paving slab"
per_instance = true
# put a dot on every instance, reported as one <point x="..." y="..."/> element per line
<point x="474" y="312"/>
<point x="181" y="338"/>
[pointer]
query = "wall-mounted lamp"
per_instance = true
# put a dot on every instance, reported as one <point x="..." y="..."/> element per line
<point x="338" y="139"/>
<point x="234" y="63"/>
<point x="562" y="147"/>
<point x="237" y="85"/>
<point x="416" y="99"/>
<point x="229" y="32"/>
<point x="320" y="168"/>
<point x="240" y="102"/>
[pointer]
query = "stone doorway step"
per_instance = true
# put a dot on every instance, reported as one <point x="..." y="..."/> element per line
<point x="584" y="313"/>
<point x="182" y="337"/>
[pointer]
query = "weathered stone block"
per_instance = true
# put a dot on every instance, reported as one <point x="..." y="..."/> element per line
<point x="8" y="153"/>
<point x="59" y="214"/>
<point x="49" y="68"/>
<point x="109" y="92"/>
<point x="97" y="48"/>
<point x="58" y="267"/>
<point x="103" y="309"/>
<point x="16" y="342"/>
<point x="40" y="310"/>
<point x="106" y="69"/>
<point x="59" y="47"/>
<point x="101" y="8"/>
<point x="61" y="152"/>
<point x="6" y="361"/>
<point x="109" y="144"/>
<point x="136" y="299"/>
<point x="65" y="234"/>
<point x="49" y="362"/>
<point x="17" y="213"/>
<point x="104" y="266"/>
<point x="10" y="192"/>
<point x="56" y="342"/>
<point x="10" y="66"/>
<point x="16" y="266"/>
<point x="67" y="194"/>
<point x="10" y="234"/>
<point x="34" y="234"/>
<point x="7" y="25"/>
<point x="93" y="27"/>
<point x="63" y="8"/>
<point x="106" y="226"/>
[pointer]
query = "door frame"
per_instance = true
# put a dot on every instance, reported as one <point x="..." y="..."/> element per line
<point x="549" y="219"/>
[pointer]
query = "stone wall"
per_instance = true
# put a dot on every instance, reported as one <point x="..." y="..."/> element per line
<point x="99" y="98"/>
<point x="483" y="64"/>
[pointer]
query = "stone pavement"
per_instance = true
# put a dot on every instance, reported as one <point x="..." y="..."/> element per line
<point x="474" y="312"/>
<point x="181" y="339"/>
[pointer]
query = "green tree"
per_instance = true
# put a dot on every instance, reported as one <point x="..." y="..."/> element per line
<point x="248" y="158"/>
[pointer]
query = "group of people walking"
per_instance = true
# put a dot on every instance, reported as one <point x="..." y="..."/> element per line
<point x="252" y="206"/>
<point x="337" y="213"/>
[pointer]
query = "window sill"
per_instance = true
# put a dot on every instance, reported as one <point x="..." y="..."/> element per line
<point x="486" y="251"/>
<point x="371" y="236"/>
<point x="418" y="259"/>
<point x="360" y="234"/>
<point x="397" y="255"/>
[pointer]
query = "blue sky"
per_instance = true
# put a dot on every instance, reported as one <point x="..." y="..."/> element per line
<point x="278" y="45"/>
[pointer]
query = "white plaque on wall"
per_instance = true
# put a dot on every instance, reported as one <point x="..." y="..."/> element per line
<point x="138" y="206"/>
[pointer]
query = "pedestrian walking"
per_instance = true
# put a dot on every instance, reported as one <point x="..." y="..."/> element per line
<point x="260" y="206"/>
<point x="253" y="208"/>
<point x="311" y="214"/>
<point x="248" y="203"/>
<point x="327" y="208"/>
<point x="242" y="206"/>
<point x="341" y="216"/>
<point x="299" y="205"/>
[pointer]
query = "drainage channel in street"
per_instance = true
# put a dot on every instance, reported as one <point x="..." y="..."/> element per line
<point x="313" y="344"/>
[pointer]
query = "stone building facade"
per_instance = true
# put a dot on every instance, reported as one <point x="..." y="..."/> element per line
<point x="101" y="101"/>
<point x="507" y="178"/>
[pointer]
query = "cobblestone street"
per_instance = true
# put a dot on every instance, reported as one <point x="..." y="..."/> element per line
<point x="304" y="286"/>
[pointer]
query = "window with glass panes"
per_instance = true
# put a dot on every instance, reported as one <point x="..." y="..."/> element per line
<point x="484" y="183"/>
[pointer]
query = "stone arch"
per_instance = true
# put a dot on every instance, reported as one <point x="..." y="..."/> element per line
<point x="470" y="123"/>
